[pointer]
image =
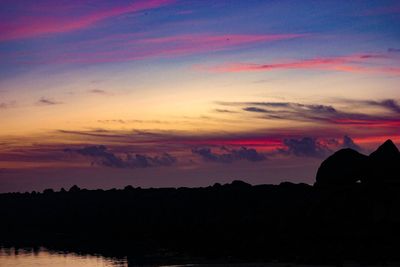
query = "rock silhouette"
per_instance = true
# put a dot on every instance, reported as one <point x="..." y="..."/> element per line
<point x="344" y="167"/>
<point x="236" y="222"/>
<point x="383" y="165"/>
<point x="347" y="166"/>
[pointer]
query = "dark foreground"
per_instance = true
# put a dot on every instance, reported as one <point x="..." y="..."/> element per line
<point x="351" y="214"/>
<point x="234" y="222"/>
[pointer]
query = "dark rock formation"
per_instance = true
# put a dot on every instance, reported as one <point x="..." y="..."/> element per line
<point x="344" y="167"/>
<point x="347" y="166"/>
<point x="383" y="164"/>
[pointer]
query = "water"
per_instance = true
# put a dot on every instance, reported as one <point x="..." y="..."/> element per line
<point x="41" y="257"/>
<point x="11" y="257"/>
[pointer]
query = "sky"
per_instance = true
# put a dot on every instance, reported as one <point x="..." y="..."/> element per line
<point x="162" y="93"/>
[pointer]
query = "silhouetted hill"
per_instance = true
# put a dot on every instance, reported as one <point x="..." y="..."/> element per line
<point x="344" y="167"/>
<point x="348" y="166"/>
<point x="384" y="164"/>
<point x="343" y="220"/>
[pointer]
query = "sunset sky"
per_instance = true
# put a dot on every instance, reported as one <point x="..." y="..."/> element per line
<point x="188" y="93"/>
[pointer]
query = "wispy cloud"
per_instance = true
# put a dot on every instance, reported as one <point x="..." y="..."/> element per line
<point x="47" y="101"/>
<point x="37" y="23"/>
<point x="327" y="114"/>
<point x="394" y="50"/>
<point x="255" y="109"/>
<point x="6" y="105"/>
<point x="142" y="149"/>
<point x="219" y="110"/>
<point x="131" y="47"/>
<point x="352" y="63"/>
<point x="98" y="91"/>
<point x="389" y="104"/>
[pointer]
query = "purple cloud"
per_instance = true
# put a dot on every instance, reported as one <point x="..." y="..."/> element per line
<point x="229" y="155"/>
<point x="103" y="157"/>
<point x="305" y="147"/>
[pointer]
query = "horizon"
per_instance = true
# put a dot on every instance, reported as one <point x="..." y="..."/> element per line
<point x="228" y="183"/>
<point x="172" y="93"/>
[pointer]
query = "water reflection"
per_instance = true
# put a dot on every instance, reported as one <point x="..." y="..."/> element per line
<point x="27" y="257"/>
<point x="42" y="257"/>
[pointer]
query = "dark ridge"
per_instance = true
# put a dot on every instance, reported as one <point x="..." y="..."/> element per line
<point x="347" y="166"/>
<point x="350" y="215"/>
<point x="384" y="164"/>
<point x="387" y="149"/>
<point x="344" y="167"/>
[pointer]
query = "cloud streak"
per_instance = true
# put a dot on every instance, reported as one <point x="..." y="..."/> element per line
<point x="352" y="63"/>
<point x="47" y="102"/>
<point x="98" y="91"/>
<point x="131" y="47"/>
<point x="327" y="114"/>
<point x="34" y="24"/>
<point x="6" y="105"/>
<point x="103" y="157"/>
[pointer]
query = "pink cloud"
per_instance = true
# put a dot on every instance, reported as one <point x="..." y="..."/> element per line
<point x="197" y="43"/>
<point x="376" y="139"/>
<point x="129" y="47"/>
<point x="263" y="143"/>
<point x="352" y="63"/>
<point x="31" y="26"/>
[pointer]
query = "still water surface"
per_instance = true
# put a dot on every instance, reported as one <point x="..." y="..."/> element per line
<point x="41" y="257"/>
<point x="45" y="258"/>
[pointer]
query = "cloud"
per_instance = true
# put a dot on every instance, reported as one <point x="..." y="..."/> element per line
<point x="389" y="104"/>
<point x="382" y="10"/>
<point x="132" y="47"/>
<point x="255" y="109"/>
<point x="394" y="50"/>
<point x="60" y="20"/>
<point x="98" y="91"/>
<point x="350" y="63"/>
<point x="143" y="161"/>
<point x="156" y="140"/>
<point x="349" y="143"/>
<point x="101" y="156"/>
<point x="17" y="150"/>
<point x="158" y="147"/>
<point x="229" y="155"/>
<point x="133" y="121"/>
<point x="6" y="105"/>
<point x="47" y="101"/>
<point x="224" y="110"/>
<point x="326" y="114"/>
<point x="305" y="147"/>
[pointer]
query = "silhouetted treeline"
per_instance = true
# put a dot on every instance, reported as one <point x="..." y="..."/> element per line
<point x="234" y="221"/>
